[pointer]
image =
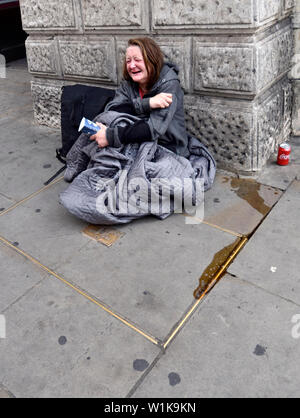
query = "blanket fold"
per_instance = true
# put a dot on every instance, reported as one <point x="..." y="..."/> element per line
<point x="117" y="185"/>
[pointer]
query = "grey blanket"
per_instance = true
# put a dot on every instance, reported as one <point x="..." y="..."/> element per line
<point x="117" y="185"/>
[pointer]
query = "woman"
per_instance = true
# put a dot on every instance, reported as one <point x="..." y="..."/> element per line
<point x="151" y="90"/>
<point x="143" y="141"/>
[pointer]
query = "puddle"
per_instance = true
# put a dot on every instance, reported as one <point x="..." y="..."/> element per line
<point x="248" y="189"/>
<point x="244" y="203"/>
<point x="211" y="270"/>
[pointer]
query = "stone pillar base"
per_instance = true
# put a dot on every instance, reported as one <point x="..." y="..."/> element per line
<point x="233" y="56"/>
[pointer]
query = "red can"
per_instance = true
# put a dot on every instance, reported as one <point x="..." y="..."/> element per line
<point x="284" y="151"/>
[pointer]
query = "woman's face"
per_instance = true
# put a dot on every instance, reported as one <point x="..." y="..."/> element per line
<point x="136" y="65"/>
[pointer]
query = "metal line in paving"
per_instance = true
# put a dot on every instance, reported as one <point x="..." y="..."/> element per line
<point x="229" y="231"/>
<point x="203" y="221"/>
<point x="149" y="337"/>
<point x="30" y="196"/>
<point x="218" y="275"/>
<point x="242" y="240"/>
<point x="81" y="292"/>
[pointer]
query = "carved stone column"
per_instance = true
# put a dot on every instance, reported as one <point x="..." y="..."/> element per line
<point x="233" y="55"/>
<point x="295" y="74"/>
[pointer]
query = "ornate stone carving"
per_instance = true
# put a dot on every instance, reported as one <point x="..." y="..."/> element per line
<point x="274" y="56"/>
<point x="242" y="135"/>
<point x="242" y="69"/>
<point x="116" y="14"/>
<point x="224" y="67"/>
<point x="42" y="56"/>
<point x="296" y="108"/>
<point x="224" y="128"/>
<point x="46" y="99"/>
<point x="88" y="58"/>
<point x="201" y="12"/>
<point x="45" y="14"/>
<point x="178" y="51"/>
<point x="288" y="4"/>
<point x="268" y="9"/>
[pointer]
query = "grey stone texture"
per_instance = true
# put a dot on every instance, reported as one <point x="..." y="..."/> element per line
<point x="233" y="56"/>
<point x="295" y="73"/>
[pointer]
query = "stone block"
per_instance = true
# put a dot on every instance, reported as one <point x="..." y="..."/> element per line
<point x="223" y="66"/>
<point x="296" y="109"/>
<point x="91" y="58"/>
<point x="289" y="4"/>
<point x="295" y="73"/>
<point x="225" y="127"/>
<point x="274" y="56"/>
<point x="178" y="51"/>
<point x="47" y="102"/>
<point x="242" y="135"/>
<point x="225" y="14"/>
<point x="268" y="10"/>
<point x="45" y="15"/>
<point x="296" y="21"/>
<point x="244" y="69"/>
<point x="192" y="14"/>
<point x="42" y="56"/>
<point x="115" y="15"/>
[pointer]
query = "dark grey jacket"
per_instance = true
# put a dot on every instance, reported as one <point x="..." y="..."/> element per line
<point x="166" y="125"/>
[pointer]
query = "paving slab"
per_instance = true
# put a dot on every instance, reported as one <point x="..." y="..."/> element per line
<point x="27" y="159"/>
<point x="8" y="101"/>
<point x="5" y="203"/>
<point x="271" y="258"/>
<point x="238" y="204"/>
<point x="148" y="275"/>
<point x="17" y="276"/>
<point x="17" y="71"/>
<point x="281" y="176"/>
<point x="59" y="344"/>
<point x="42" y="228"/>
<point x="237" y="344"/>
<point x="27" y="156"/>
<point x="151" y="273"/>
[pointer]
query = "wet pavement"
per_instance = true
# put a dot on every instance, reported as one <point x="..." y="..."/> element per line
<point x="130" y="310"/>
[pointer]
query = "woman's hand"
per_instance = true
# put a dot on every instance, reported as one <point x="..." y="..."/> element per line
<point x="161" y="101"/>
<point x="100" y="136"/>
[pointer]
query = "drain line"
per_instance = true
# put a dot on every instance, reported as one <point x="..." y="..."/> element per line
<point x="219" y="273"/>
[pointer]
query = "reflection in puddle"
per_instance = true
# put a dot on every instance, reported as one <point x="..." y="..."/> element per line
<point x="245" y="204"/>
<point x="218" y="261"/>
<point x="248" y="189"/>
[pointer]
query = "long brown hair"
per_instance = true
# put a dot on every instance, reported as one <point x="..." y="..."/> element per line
<point x="153" y="58"/>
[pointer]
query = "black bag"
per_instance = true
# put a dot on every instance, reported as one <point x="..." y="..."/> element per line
<point x="78" y="101"/>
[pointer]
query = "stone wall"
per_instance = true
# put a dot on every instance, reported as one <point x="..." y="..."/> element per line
<point x="295" y="73"/>
<point x="234" y="57"/>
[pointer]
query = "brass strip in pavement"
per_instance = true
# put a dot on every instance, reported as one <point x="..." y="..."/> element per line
<point x="106" y="309"/>
<point x="229" y="231"/>
<point x="210" y="286"/>
<point x="30" y="196"/>
<point x="203" y="221"/>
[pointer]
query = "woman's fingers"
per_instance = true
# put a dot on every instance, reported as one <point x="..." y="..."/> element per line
<point x="161" y="100"/>
<point x="166" y="99"/>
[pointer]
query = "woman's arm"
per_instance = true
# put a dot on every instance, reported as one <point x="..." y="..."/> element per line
<point x="121" y="102"/>
<point x="162" y="109"/>
<point x="160" y="118"/>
